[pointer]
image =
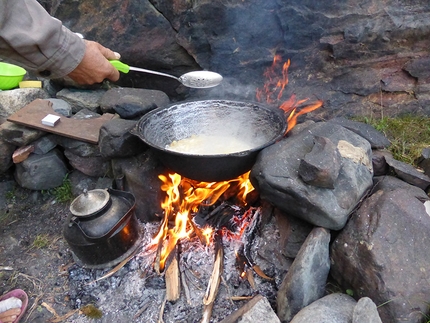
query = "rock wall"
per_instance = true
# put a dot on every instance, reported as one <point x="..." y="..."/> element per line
<point x="359" y="57"/>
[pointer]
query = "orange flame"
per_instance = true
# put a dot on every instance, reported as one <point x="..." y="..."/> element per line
<point x="183" y="197"/>
<point x="276" y="83"/>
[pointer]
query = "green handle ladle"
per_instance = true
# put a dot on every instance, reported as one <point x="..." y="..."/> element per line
<point x="195" y="79"/>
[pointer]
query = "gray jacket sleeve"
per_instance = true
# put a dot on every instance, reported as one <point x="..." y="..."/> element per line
<point x="36" y="41"/>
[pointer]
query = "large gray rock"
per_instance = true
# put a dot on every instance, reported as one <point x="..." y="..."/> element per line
<point x="116" y="141"/>
<point x="81" y="99"/>
<point x="292" y="233"/>
<point x="275" y="175"/>
<point x="333" y="308"/>
<point x="365" y="311"/>
<point x="376" y="139"/>
<point x="139" y="175"/>
<point x="95" y="166"/>
<point x="260" y="312"/>
<point x="19" y="135"/>
<point x="13" y="100"/>
<point x="44" y="144"/>
<point x="131" y="103"/>
<point x="61" y="107"/>
<point x="41" y="172"/>
<point x="78" y="147"/>
<point x="382" y="252"/>
<point x="408" y="173"/>
<point x="306" y="279"/>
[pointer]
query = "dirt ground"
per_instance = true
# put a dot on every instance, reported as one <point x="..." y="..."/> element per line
<point x="33" y="254"/>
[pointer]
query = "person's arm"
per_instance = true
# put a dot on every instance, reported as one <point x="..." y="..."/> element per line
<point x="33" y="39"/>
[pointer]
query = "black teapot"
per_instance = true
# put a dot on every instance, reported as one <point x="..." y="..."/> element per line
<point x="102" y="229"/>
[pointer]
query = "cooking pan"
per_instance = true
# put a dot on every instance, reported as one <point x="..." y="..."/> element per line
<point x="252" y="124"/>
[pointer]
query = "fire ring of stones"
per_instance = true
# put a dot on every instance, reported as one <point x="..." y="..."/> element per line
<point x="330" y="207"/>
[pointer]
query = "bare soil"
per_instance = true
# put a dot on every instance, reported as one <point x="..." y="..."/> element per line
<point x="33" y="253"/>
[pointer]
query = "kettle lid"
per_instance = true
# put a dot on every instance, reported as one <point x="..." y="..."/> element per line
<point x="90" y="202"/>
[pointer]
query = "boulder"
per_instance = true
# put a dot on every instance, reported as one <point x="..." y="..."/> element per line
<point x="376" y="138"/>
<point x="19" y="135"/>
<point x="355" y="58"/>
<point x="116" y="141"/>
<point x="80" y="99"/>
<point x="41" y="172"/>
<point x="61" y="107"/>
<point x="276" y="176"/>
<point x="95" y="166"/>
<point x="12" y="101"/>
<point x="306" y="279"/>
<point x="365" y="311"/>
<point x="408" y="173"/>
<point x="382" y="251"/>
<point x="132" y="103"/>
<point x="139" y="175"/>
<point x="333" y="308"/>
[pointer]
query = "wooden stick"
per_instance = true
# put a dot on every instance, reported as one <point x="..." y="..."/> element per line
<point x="215" y="280"/>
<point x="173" y="287"/>
<point x="233" y="317"/>
<point x="158" y="257"/>
<point x="250" y="277"/>
<point x="141" y="310"/>
<point x="241" y="298"/>
<point x="207" y="313"/>
<point x="186" y="288"/>
<point x="116" y="268"/>
<point x="160" y="317"/>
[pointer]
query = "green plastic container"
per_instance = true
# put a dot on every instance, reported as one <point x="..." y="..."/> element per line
<point x="10" y="76"/>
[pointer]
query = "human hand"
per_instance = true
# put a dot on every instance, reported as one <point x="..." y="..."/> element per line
<point x="95" y="67"/>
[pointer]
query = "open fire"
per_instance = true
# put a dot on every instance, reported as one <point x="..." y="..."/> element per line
<point x="273" y="92"/>
<point x="187" y="199"/>
<point x="216" y="212"/>
<point x="207" y="213"/>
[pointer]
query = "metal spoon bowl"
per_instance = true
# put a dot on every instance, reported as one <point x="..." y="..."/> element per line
<point x="195" y="79"/>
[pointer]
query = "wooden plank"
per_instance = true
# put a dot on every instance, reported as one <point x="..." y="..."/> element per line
<point x="81" y="129"/>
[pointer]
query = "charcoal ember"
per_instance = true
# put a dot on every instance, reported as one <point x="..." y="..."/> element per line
<point x="220" y="217"/>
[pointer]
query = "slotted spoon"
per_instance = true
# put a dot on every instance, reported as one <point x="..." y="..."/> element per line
<point x="195" y="79"/>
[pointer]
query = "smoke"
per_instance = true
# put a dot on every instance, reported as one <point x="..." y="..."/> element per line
<point x="229" y="89"/>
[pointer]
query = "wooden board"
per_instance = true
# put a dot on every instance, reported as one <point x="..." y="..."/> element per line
<point x="81" y="129"/>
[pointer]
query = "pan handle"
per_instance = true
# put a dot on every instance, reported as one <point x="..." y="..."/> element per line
<point x="120" y="66"/>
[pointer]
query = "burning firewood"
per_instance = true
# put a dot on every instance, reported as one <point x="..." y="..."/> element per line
<point x="215" y="280"/>
<point x="173" y="287"/>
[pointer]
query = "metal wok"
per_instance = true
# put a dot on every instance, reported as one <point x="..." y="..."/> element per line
<point x="256" y="125"/>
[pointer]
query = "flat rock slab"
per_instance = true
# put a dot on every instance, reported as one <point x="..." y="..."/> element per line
<point x="83" y="129"/>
